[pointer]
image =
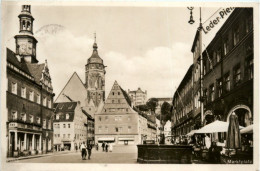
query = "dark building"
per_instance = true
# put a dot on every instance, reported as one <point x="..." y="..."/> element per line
<point x="228" y="76"/>
<point x="29" y="95"/>
<point x="182" y="121"/>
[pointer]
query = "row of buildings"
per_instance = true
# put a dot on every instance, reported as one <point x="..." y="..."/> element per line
<point x="228" y="74"/>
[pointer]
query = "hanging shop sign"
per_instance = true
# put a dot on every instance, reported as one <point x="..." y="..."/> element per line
<point x="222" y="14"/>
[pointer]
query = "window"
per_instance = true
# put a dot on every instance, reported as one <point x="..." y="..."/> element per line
<point x="38" y="99"/>
<point x="118" y="100"/>
<point x="57" y="116"/>
<point x="116" y="129"/>
<point x="112" y="101"/>
<point x="38" y="120"/>
<point x="129" y="128"/>
<point x="113" y="93"/>
<point x="250" y="69"/>
<point x="116" y="118"/>
<point x="31" y="118"/>
<point x="249" y="23"/>
<point x="106" y="118"/>
<point x="49" y="124"/>
<point x="219" y="85"/>
<point x="226" y="46"/>
<point x="31" y="95"/>
<point x="64" y="125"/>
<point x="23" y="117"/>
<point x="205" y="96"/>
<point x="237" y="75"/>
<point x="67" y="116"/>
<point x="68" y="125"/>
<point x="218" y="54"/>
<point x="44" y="123"/>
<point x="120" y="129"/>
<point x="99" y="129"/>
<point x="118" y="93"/>
<point x="58" y="135"/>
<point x="14" y="115"/>
<point x="236" y="35"/>
<point x="106" y="129"/>
<point x="212" y="93"/>
<point x="129" y="118"/>
<point x="99" y="118"/>
<point x="227" y="82"/>
<point x="49" y="103"/>
<point x="23" y="92"/>
<point x="58" y="125"/>
<point x="44" y="101"/>
<point x="14" y="88"/>
<point x="68" y="135"/>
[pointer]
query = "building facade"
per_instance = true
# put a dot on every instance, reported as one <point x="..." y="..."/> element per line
<point x="118" y="122"/>
<point x="138" y="97"/>
<point x="72" y="126"/>
<point x="228" y="73"/>
<point x="29" y="95"/>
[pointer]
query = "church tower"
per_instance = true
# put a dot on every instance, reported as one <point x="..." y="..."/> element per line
<point x="25" y="41"/>
<point x="95" y="77"/>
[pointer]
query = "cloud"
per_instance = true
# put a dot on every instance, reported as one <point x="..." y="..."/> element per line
<point x="159" y="70"/>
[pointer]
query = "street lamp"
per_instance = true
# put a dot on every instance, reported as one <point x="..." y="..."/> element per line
<point x="191" y="21"/>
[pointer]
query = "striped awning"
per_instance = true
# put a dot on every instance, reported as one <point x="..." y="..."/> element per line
<point x="126" y="139"/>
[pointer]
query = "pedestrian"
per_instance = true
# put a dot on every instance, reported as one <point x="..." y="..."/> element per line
<point x="76" y="148"/>
<point x="97" y="146"/>
<point x="110" y="147"/>
<point x="83" y="151"/>
<point x="106" y="147"/>
<point x="103" y="146"/>
<point x="89" y="148"/>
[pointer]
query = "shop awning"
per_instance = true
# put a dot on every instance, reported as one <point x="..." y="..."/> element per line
<point x="106" y="139"/>
<point x="192" y="132"/>
<point x="126" y="139"/>
<point x="217" y="126"/>
<point x="247" y="130"/>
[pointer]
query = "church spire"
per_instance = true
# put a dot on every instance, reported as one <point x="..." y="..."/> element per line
<point x="95" y="42"/>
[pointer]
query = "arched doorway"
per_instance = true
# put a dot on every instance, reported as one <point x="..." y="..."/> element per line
<point x="243" y="113"/>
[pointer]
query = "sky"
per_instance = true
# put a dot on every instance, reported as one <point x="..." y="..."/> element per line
<point x="142" y="46"/>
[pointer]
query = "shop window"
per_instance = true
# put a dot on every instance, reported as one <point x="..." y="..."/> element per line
<point x="23" y="92"/>
<point x="237" y="75"/>
<point x="14" y="88"/>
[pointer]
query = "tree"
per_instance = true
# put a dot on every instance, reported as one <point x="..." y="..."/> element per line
<point x="152" y="104"/>
<point x="143" y="108"/>
<point x="166" y="114"/>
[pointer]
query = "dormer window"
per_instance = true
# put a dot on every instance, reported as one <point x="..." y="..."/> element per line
<point x="57" y="117"/>
<point x="67" y="116"/>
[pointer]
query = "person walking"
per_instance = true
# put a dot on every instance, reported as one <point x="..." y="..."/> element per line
<point x="97" y="146"/>
<point x="103" y="146"/>
<point x="83" y="151"/>
<point x="106" y="147"/>
<point x="89" y="148"/>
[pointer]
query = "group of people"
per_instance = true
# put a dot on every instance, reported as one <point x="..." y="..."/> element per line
<point x="106" y="146"/>
<point x="84" y="148"/>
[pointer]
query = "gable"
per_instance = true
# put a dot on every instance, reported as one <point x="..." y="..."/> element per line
<point x="74" y="89"/>
<point x="117" y="102"/>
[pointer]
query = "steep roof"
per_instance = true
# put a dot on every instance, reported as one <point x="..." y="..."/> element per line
<point x="95" y="57"/>
<point x="65" y="108"/>
<point x="11" y="58"/>
<point x="36" y="71"/>
<point x="117" y="101"/>
<point x="88" y="115"/>
<point x="74" y="89"/>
